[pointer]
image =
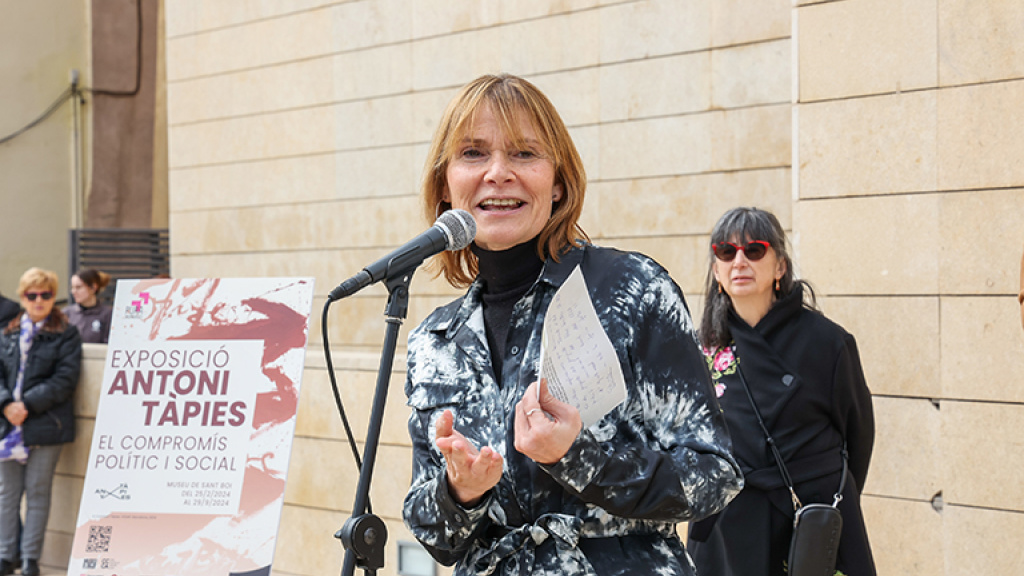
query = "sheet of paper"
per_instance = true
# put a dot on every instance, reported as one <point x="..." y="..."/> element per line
<point x="577" y="358"/>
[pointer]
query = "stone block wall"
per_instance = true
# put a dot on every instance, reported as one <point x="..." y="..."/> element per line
<point x="41" y="179"/>
<point x="906" y="169"/>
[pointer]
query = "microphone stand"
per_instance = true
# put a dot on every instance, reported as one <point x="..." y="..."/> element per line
<point x="364" y="534"/>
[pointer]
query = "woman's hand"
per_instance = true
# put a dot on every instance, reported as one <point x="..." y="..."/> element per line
<point x="545" y="428"/>
<point x="471" y="473"/>
<point x="15" y="412"/>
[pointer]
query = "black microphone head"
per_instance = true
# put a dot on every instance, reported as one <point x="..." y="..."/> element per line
<point x="459" y="228"/>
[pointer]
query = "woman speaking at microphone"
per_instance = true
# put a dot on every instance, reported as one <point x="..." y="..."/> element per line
<point x="506" y="479"/>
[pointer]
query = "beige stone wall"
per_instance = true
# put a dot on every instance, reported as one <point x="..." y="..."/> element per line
<point x="908" y="167"/>
<point x="40" y="42"/>
<point x="49" y="182"/>
<point x="880" y="131"/>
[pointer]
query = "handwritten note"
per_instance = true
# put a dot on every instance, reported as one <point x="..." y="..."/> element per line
<point x="577" y="358"/>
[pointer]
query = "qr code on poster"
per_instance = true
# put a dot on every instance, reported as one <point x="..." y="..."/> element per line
<point x="99" y="539"/>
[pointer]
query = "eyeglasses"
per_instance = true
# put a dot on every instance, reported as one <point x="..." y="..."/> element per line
<point x="33" y="295"/>
<point x="754" y="251"/>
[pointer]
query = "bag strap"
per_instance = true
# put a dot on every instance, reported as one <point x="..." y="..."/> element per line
<point x="842" y="481"/>
<point x="838" y="497"/>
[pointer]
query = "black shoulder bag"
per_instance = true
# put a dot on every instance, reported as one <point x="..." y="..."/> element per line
<point x="816" y="527"/>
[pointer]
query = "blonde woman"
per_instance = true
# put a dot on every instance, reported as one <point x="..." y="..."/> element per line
<point x="40" y="359"/>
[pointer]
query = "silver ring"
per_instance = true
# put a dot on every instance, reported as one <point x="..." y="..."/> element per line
<point x="530" y="413"/>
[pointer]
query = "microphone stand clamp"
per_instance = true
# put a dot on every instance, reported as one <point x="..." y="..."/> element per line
<point x="365" y="536"/>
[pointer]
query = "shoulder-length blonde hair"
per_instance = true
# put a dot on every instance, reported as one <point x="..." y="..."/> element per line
<point x="47" y="280"/>
<point x="37" y="278"/>
<point x="510" y="98"/>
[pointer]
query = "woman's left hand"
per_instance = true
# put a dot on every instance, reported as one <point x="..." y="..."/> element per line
<point x="16" y="413"/>
<point x="545" y="428"/>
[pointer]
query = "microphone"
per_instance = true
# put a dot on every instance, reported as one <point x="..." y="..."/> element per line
<point x="453" y="230"/>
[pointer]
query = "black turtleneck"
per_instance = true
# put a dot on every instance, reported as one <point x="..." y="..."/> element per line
<point x="506" y="275"/>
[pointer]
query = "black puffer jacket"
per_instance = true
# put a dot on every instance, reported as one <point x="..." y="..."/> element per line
<point x="8" y="310"/>
<point x="51" y="376"/>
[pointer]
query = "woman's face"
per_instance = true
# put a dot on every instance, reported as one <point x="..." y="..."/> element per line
<point x="746" y="280"/>
<point x="509" y="191"/>
<point x="82" y="292"/>
<point x="37" y="302"/>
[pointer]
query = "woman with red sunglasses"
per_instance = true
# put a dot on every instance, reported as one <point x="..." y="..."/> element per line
<point x="774" y="357"/>
<point x="40" y="359"/>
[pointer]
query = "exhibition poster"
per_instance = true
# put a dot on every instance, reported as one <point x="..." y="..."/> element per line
<point x="194" y="428"/>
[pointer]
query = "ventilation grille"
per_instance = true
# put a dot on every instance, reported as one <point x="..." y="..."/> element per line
<point x="124" y="253"/>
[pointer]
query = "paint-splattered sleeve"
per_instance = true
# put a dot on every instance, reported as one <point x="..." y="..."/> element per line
<point x="444" y="527"/>
<point x="665" y="454"/>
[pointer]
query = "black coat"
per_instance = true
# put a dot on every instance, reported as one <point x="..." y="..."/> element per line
<point x="8" y="310"/>
<point x="51" y="376"/>
<point x="805" y="375"/>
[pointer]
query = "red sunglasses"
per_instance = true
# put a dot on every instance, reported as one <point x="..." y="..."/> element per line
<point x="33" y="295"/>
<point x="754" y="251"/>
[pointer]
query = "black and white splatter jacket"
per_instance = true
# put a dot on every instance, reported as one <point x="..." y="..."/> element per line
<point x="611" y="504"/>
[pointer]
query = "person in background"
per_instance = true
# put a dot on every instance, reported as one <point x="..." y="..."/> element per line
<point x="506" y="479"/>
<point x="8" y="309"/>
<point x="40" y="361"/>
<point x="761" y="332"/>
<point x="88" y="314"/>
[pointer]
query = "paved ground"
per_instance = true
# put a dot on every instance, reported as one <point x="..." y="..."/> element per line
<point x="47" y="571"/>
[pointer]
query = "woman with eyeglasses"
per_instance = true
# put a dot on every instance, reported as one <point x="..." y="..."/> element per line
<point x="40" y="359"/>
<point x="762" y="332"/>
<point x="88" y="314"/>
